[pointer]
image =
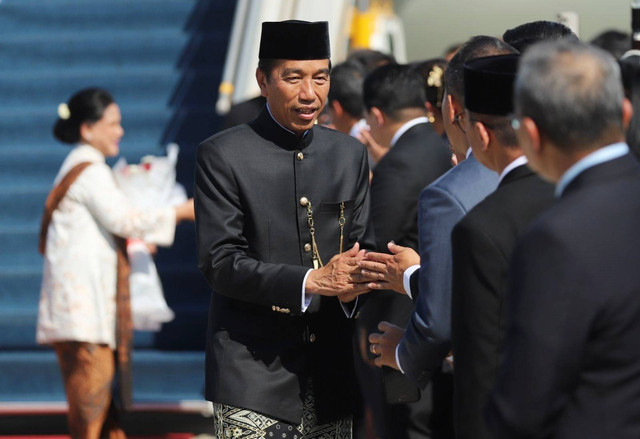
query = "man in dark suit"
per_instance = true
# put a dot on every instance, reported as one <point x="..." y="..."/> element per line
<point x="572" y="352"/>
<point x="483" y="240"/>
<point x="281" y="206"/>
<point x="394" y="97"/>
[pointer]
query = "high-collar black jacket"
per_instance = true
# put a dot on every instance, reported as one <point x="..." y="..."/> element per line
<point x="254" y="242"/>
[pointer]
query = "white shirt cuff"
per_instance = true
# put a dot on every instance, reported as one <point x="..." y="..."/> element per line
<point x="398" y="358"/>
<point x="306" y="298"/>
<point x="406" y="279"/>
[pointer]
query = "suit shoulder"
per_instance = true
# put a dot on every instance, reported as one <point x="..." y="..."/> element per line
<point x="468" y="183"/>
<point x="228" y="136"/>
<point x="337" y="138"/>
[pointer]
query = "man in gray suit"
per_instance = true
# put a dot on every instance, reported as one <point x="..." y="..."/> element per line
<point x="420" y="351"/>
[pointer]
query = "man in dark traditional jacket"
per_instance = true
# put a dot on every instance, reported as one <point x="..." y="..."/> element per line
<point x="282" y="211"/>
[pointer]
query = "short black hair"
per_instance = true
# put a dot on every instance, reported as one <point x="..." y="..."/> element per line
<point x="370" y="59"/>
<point x="476" y="47"/>
<point x="347" y="79"/>
<point x="392" y="88"/>
<point x="613" y="41"/>
<point x="523" y="36"/>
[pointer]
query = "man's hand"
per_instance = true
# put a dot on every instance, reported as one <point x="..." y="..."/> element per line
<point x="386" y="272"/>
<point x="385" y="343"/>
<point x="340" y="276"/>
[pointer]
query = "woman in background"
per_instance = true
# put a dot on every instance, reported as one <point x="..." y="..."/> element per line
<point x="84" y="310"/>
<point x="630" y="70"/>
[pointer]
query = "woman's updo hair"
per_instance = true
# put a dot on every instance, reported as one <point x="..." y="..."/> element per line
<point x="432" y="71"/>
<point x="85" y="106"/>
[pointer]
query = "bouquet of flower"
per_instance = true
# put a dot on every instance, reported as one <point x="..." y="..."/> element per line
<point x="150" y="184"/>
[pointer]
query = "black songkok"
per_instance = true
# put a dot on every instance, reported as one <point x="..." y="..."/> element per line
<point x="294" y="39"/>
<point x="488" y="84"/>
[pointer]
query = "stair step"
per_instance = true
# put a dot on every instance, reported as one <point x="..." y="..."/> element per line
<point x="143" y="47"/>
<point x="18" y="328"/>
<point x="129" y="85"/>
<point x="142" y="124"/>
<point x="159" y="376"/>
<point x="20" y="289"/>
<point x="80" y="15"/>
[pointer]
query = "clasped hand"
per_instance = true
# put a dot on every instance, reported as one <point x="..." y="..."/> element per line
<point x="340" y="277"/>
<point x="386" y="272"/>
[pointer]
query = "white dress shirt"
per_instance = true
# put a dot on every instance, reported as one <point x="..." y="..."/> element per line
<point x="78" y="293"/>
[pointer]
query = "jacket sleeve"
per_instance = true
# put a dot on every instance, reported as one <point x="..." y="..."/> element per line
<point x="222" y="246"/>
<point x="427" y="339"/>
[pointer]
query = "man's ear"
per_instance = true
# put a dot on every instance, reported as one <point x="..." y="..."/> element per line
<point x="482" y="132"/>
<point x="627" y="113"/>
<point x="378" y="115"/>
<point x="262" y="80"/>
<point x="336" y="106"/>
<point x="451" y="109"/>
<point x="532" y="133"/>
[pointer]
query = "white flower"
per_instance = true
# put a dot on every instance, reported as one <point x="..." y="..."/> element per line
<point x="63" y="111"/>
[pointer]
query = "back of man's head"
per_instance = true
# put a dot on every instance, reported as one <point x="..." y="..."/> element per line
<point x="525" y="35"/>
<point x="346" y="88"/>
<point x="613" y="41"/>
<point x="392" y="88"/>
<point x="476" y="47"/>
<point x="573" y="93"/>
<point x="370" y="59"/>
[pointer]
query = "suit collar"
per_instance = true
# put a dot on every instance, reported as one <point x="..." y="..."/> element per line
<point x="597" y="157"/>
<point x="406" y="127"/>
<point x="522" y="160"/>
<point x="271" y="130"/>
<point x="604" y="172"/>
<point x="516" y="173"/>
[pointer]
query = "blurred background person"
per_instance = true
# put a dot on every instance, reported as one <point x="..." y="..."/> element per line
<point x="613" y="41"/>
<point x="525" y="35"/>
<point x="84" y="308"/>
<point x="432" y="73"/>
<point x="395" y="99"/>
<point x="630" y="70"/>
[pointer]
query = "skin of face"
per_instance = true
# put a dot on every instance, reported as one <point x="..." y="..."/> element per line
<point x="105" y="134"/>
<point x="296" y="92"/>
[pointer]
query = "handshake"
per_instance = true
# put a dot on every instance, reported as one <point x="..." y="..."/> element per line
<point x="355" y="272"/>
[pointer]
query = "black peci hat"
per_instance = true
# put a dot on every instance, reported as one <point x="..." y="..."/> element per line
<point x="488" y="84"/>
<point x="294" y="39"/>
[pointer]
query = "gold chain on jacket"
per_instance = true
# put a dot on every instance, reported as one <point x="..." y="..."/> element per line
<point x="315" y="253"/>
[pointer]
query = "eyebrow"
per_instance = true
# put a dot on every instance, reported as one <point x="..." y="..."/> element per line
<point x="286" y="72"/>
